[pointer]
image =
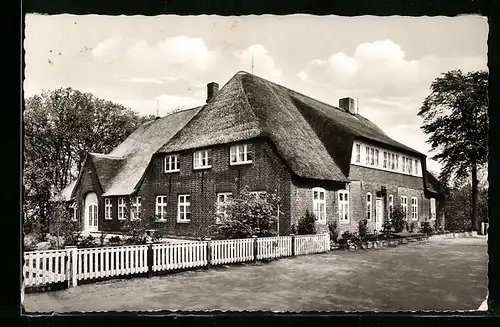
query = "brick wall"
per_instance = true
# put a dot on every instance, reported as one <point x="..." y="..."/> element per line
<point x="88" y="183"/>
<point x="266" y="173"/>
<point x="372" y="180"/>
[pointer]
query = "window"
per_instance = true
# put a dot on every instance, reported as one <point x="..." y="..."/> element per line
<point x="319" y="204"/>
<point x="396" y="166"/>
<point x="433" y="209"/>
<point x="184" y="208"/>
<point x="410" y="166"/>
<point x="414" y="208"/>
<point x="358" y="152"/>
<point x="221" y="199"/>
<point x="73" y="209"/>
<point x="391" y="205"/>
<point x="392" y="161"/>
<point x="136" y="208"/>
<point x="161" y="207"/>
<point x="384" y="165"/>
<point x="403" y="168"/>
<point x="367" y="158"/>
<point x="121" y="208"/>
<point x="376" y="157"/>
<point x="172" y="163"/>
<point x="202" y="159"/>
<point x="108" y="207"/>
<point x="372" y="156"/>
<point x="416" y="167"/>
<point x="240" y="154"/>
<point x="343" y="206"/>
<point x="404" y="205"/>
<point x="368" y="206"/>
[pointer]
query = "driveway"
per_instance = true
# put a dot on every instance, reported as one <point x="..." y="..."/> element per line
<point x="449" y="274"/>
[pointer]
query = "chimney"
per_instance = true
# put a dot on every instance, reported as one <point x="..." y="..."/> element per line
<point x="212" y="89"/>
<point x="348" y="105"/>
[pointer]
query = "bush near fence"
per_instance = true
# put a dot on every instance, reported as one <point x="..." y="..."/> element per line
<point x="73" y="265"/>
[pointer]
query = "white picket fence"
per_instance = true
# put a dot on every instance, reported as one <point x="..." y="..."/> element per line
<point x="179" y="256"/>
<point x="231" y="251"/>
<point x="45" y="267"/>
<point x="309" y="244"/>
<point x="274" y="247"/>
<point x="111" y="261"/>
<point x="71" y="265"/>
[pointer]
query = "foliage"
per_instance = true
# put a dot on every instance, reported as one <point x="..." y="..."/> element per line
<point x="456" y="119"/>
<point x="115" y="240"/>
<point x="64" y="230"/>
<point x="457" y="207"/>
<point x="398" y="219"/>
<point x="136" y="229"/>
<point x="87" y="242"/>
<point x="386" y="228"/>
<point x="411" y="227"/>
<point x="293" y="229"/>
<point x="307" y="224"/>
<point x="246" y="215"/>
<point x="60" y="128"/>
<point x="426" y="228"/>
<point x="362" y="229"/>
<point x="333" y="229"/>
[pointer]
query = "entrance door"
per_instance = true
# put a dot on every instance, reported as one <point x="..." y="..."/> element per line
<point x="379" y="214"/>
<point x="91" y="212"/>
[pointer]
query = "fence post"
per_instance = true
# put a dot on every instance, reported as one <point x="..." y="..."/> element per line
<point x="71" y="272"/>
<point x="209" y="252"/>
<point x="293" y="244"/>
<point x="150" y="260"/>
<point x="255" y="248"/>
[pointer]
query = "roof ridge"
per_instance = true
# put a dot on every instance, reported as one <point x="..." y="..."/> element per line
<point x="107" y="156"/>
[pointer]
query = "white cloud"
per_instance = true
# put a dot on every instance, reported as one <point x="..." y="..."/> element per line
<point x="144" y="80"/>
<point x="264" y="64"/>
<point x="107" y="46"/>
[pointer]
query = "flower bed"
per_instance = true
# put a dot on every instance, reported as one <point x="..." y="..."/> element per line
<point x="372" y="242"/>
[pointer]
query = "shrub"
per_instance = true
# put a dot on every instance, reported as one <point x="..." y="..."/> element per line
<point x="411" y="227"/>
<point x="398" y="219"/>
<point x="386" y="229"/>
<point x="362" y="229"/>
<point x="246" y="215"/>
<point x="307" y="224"/>
<point x="87" y="242"/>
<point x="115" y="240"/>
<point x="426" y="228"/>
<point x="333" y="229"/>
<point x="293" y="229"/>
<point x="63" y="229"/>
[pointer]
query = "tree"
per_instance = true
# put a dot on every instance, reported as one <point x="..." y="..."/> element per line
<point x="456" y="120"/>
<point x="307" y="224"/>
<point x="398" y="219"/>
<point x="60" y="127"/>
<point x="246" y="215"/>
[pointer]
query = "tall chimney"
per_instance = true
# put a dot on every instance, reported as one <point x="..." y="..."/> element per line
<point x="348" y="105"/>
<point x="212" y="89"/>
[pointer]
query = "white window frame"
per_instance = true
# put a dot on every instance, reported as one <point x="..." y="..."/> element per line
<point x="186" y="204"/>
<point x="358" y="152"/>
<point x="237" y="149"/>
<point x="73" y="207"/>
<point x="199" y="156"/>
<point x="433" y="208"/>
<point x="108" y="209"/>
<point x="391" y="205"/>
<point x="367" y="156"/>
<point x="135" y="208"/>
<point x="396" y="162"/>
<point x="377" y="158"/>
<point x="414" y="208"/>
<point x="384" y="165"/>
<point x="161" y="207"/>
<point x="318" y="212"/>
<point x="369" y="206"/>
<point x="225" y="196"/>
<point x="416" y="167"/>
<point x="171" y="163"/>
<point x="404" y="205"/>
<point x="122" y="207"/>
<point x="343" y="200"/>
<point x="393" y="161"/>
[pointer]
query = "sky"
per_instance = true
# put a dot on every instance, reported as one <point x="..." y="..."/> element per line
<point x="165" y="62"/>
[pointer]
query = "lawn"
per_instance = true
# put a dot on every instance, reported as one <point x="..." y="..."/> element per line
<point x="441" y="275"/>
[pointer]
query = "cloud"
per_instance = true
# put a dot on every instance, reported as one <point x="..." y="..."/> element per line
<point x="107" y="46"/>
<point x="145" y="80"/>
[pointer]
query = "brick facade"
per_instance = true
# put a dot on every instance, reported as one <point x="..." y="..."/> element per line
<point x="267" y="172"/>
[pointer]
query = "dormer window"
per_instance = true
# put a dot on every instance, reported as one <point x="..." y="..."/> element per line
<point x="241" y="154"/>
<point x="202" y="159"/>
<point x="171" y="163"/>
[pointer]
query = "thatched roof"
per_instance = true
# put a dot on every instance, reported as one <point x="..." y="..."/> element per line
<point x="66" y="193"/>
<point x="315" y="139"/>
<point x="121" y="169"/>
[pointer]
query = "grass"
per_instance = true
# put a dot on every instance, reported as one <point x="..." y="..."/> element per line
<point x="448" y="274"/>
